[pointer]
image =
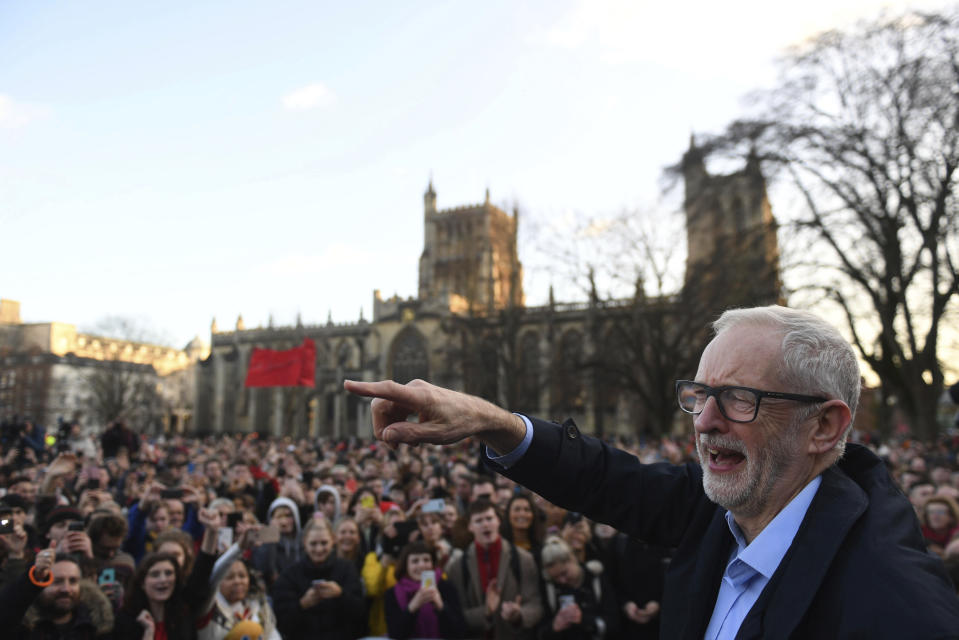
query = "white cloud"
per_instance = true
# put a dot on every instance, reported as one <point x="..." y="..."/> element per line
<point x="312" y="96"/>
<point x="17" y="114"/>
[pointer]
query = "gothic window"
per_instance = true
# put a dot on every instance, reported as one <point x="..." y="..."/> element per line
<point x="488" y="373"/>
<point x="409" y="358"/>
<point x="529" y="373"/>
<point x="344" y="355"/>
<point x="570" y="389"/>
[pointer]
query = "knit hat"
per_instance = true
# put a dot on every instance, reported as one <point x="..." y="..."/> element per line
<point x="59" y="514"/>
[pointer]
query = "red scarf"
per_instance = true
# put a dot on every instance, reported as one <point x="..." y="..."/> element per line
<point x="488" y="562"/>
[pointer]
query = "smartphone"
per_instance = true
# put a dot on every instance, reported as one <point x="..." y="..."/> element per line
<point x="93" y="483"/>
<point x="76" y="525"/>
<point x="6" y="522"/>
<point x="367" y="501"/>
<point x="168" y="494"/>
<point x="232" y="519"/>
<point x="269" y="533"/>
<point x="107" y="576"/>
<point x="427" y="579"/>
<point x="224" y="537"/>
<point x="566" y="600"/>
<point x="317" y="583"/>
<point x="434" y="506"/>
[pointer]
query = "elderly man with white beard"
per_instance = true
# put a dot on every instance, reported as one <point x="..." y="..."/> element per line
<point x="782" y="531"/>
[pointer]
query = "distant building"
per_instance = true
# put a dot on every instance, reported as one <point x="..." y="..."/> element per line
<point x="50" y="370"/>
<point x="469" y="329"/>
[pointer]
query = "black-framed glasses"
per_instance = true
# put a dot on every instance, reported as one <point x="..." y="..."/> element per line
<point x="737" y="404"/>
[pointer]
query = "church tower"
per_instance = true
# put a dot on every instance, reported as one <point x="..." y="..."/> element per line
<point x="730" y="233"/>
<point x="470" y="261"/>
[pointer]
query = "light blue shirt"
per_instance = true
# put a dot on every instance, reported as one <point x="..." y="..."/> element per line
<point x="508" y="460"/>
<point x="750" y="565"/>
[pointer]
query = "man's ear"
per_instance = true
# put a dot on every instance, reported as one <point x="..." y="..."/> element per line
<point x="831" y="422"/>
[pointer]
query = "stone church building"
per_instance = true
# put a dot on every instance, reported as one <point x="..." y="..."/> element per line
<point x="469" y="328"/>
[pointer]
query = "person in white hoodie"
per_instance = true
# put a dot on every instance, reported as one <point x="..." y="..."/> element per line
<point x="272" y="558"/>
<point x="327" y="502"/>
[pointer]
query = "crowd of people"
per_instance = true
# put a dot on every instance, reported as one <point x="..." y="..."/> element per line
<point x="239" y="536"/>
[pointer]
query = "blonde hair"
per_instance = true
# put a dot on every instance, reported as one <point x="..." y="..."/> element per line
<point x="555" y="550"/>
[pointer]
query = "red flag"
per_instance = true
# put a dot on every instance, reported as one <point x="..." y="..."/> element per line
<point x="291" y="368"/>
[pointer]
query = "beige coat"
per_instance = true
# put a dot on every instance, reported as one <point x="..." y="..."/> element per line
<point x="473" y="600"/>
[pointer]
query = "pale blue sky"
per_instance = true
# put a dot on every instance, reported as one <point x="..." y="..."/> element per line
<point x="183" y="160"/>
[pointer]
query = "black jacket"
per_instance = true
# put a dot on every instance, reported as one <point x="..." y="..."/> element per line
<point x="400" y="622"/>
<point x="597" y="603"/>
<point x="332" y="619"/>
<point x="92" y="618"/>
<point x="857" y="566"/>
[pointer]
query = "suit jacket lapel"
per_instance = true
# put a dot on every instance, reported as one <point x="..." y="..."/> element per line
<point x="701" y="581"/>
<point x="784" y="602"/>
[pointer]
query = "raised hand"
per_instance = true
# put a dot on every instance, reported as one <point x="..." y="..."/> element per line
<point x="443" y="416"/>
<point x="209" y="518"/>
<point x="246" y="534"/>
<point x="76" y="542"/>
<point x="149" y="626"/>
<point x="15" y="542"/>
<point x="44" y="562"/>
<point x="64" y="464"/>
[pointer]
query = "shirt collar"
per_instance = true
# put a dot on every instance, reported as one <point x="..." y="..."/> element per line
<point x="767" y="549"/>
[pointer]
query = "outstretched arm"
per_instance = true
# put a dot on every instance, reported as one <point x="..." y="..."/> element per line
<point x="443" y="416"/>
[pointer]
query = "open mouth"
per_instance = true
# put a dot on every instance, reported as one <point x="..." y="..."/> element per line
<point x="723" y="460"/>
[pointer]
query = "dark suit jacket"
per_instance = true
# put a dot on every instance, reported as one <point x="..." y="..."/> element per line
<point x="856" y="569"/>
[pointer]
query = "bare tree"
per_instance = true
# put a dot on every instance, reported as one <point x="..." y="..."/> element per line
<point x="649" y="316"/>
<point x="864" y="126"/>
<point x="118" y="389"/>
<point x="127" y="391"/>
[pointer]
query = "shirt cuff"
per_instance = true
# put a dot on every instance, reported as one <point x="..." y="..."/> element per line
<point x="508" y="460"/>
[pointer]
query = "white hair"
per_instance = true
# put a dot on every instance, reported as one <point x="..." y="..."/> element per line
<point x="816" y="359"/>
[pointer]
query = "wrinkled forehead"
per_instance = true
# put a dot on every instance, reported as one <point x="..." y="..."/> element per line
<point x="742" y="355"/>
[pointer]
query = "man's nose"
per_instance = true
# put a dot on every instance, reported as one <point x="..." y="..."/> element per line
<point x="711" y="418"/>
